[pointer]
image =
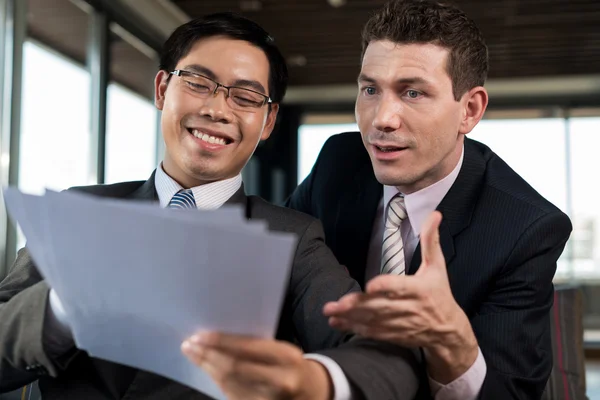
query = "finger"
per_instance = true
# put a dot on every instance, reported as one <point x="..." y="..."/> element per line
<point x="204" y="357"/>
<point x="402" y="330"/>
<point x="231" y="374"/>
<point x="379" y="313"/>
<point x="265" y="351"/>
<point x="241" y="378"/>
<point x="383" y="315"/>
<point x="369" y="331"/>
<point x="361" y="307"/>
<point x="431" y="251"/>
<point x="347" y="302"/>
<point x="393" y="286"/>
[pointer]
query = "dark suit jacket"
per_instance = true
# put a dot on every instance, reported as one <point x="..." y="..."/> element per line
<point x="315" y="279"/>
<point x="500" y="238"/>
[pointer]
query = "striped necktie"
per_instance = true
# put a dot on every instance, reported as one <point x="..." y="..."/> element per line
<point x="392" y="250"/>
<point x="184" y="199"/>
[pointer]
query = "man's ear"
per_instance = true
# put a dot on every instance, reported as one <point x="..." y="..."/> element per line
<point x="270" y="124"/>
<point x="160" y="88"/>
<point x="475" y="103"/>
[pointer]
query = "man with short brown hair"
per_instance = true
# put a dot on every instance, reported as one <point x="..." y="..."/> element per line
<point x="479" y="307"/>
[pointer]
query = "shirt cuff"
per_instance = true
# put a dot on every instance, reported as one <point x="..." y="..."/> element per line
<point x="341" y="386"/>
<point x="465" y="387"/>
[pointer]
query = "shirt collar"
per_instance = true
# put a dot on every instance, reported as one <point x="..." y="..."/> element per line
<point x="208" y="197"/>
<point x="423" y="202"/>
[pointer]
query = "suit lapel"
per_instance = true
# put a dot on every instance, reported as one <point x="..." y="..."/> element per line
<point x="458" y="204"/>
<point x="238" y="198"/>
<point x="354" y="222"/>
<point x="147" y="191"/>
<point x="446" y="242"/>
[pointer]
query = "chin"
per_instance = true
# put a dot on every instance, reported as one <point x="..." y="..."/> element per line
<point x="392" y="178"/>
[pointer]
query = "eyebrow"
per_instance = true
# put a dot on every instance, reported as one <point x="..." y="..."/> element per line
<point x="248" y="83"/>
<point x="403" y="81"/>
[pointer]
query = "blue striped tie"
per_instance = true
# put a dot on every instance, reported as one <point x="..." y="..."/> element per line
<point x="184" y="199"/>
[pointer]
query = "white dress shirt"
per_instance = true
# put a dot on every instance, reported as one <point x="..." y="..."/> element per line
<point x="208" y="197"/>
<point x="419" y="205"/>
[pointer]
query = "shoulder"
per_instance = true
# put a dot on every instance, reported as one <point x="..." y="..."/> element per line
<point x="506" y="193"/>
<point x="121" y="189"/>
<point x="341" y="158"/>
<point x="344" y="146"/>
<point x="281" y="219"/>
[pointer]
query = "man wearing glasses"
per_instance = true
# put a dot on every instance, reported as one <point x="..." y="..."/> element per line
<point x="220" y="83"/>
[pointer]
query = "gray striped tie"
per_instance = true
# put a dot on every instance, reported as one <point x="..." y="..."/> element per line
<point x="184" y="199"/>
<point x="392" y="250"/>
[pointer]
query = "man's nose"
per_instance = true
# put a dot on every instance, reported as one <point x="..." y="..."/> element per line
<point x="216" y="106"/>
<point x="388" y="114"/>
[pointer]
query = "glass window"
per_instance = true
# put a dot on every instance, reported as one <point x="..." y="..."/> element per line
<point x="130" y="136"/>
<point x="585" y="239"/>
<point x="534" y="148"/>
<point x="132" y="119"/>
<point x="55" y="137"/>
<point x="311" y="138"/>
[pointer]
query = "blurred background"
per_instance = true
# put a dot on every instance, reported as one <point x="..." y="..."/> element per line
<point x="77" y="102"/>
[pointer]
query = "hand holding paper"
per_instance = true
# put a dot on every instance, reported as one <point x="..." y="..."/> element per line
<point x="136" y="280"/>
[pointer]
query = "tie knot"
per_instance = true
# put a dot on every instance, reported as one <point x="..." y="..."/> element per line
<point x="396" y="212"/>
<point x="184" y="199"/>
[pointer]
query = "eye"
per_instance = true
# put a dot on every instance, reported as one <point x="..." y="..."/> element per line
<point x="197" y="86"/>
<point x="370" y="90"/>
<point x="246" y="102"/>
<point x="413" y="94"/>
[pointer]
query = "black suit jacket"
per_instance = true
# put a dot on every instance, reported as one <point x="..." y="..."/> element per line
<point x="316" y="278"/>
<point x="500" y="239"/>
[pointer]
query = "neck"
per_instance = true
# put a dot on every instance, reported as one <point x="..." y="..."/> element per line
<point x="186" y="181"/>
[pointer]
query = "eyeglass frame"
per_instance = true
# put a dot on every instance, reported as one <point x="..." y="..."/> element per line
<point x="178" y="72"/>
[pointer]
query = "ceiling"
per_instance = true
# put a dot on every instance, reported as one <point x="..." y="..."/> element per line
<point x="526" y="38"/>
<point x="64" y="27"/>
<point x="538" y="48"/>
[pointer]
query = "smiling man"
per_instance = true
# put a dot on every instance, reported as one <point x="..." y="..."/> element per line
<point x="479" y="308"/>
<point x="220" y="83"/>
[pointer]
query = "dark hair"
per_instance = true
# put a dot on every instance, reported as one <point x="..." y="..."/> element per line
<point x="426" y="21"/>
<point x="233" y="26"/>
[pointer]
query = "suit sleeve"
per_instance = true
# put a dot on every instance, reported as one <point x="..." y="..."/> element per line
<point x="24" y="352"/>
<point x="513" y="324"/>
<point x="378" y="370"/>
<point x="317" y="278"/>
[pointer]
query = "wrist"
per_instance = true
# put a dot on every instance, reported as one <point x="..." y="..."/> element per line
<point x="452" y="356"/>
<point x="317" y="384"/>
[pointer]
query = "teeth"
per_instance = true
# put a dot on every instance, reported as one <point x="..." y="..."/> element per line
<point x="208" y="138"/>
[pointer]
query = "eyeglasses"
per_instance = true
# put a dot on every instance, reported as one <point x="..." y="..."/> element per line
<point x="241" y="98"/>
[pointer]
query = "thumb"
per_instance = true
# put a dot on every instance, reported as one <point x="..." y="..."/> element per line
<point x="431" y="251"/>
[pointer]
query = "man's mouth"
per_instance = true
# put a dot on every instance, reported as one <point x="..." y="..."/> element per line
<point x="209" y="138"/>
<point x="390" y="149"/>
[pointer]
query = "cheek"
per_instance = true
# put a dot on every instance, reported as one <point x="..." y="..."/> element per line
<point x="438" y="129"/>
<point x="251" y="127"/>
<point x="177" y="106"/>
<point x="363" y="113"/>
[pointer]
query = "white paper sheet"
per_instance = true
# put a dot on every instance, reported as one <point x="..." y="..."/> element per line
<point x="136" y="280"/>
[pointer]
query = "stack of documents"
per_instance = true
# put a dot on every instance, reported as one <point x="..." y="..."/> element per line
<point x="135" y="280"/>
